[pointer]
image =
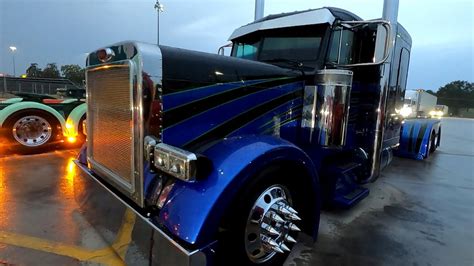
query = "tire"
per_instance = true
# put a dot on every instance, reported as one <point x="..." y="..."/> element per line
<point x="80" y="129"/>
<point x="438" y="143"/>
<point x="433" y="140"/>
<point x="241" y="237"/>
<point x="31" y="131"/>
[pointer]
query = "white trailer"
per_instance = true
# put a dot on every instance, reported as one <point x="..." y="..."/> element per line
<point x="418" y="103"/>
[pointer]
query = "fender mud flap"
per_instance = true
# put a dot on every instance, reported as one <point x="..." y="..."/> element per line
<point x="133" y="237"/>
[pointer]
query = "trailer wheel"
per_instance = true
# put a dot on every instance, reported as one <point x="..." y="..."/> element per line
<point x="31" y="131"/>
<point x="263" y="227"/>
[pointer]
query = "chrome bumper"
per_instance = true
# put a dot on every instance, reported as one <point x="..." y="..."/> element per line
<point x="134" y="238"/>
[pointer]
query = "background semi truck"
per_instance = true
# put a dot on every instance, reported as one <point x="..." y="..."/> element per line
<point x="225" y="159"/>
<point x="419" y="103"/>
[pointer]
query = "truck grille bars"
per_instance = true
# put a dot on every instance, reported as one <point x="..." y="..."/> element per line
<point x="111" y="126"/>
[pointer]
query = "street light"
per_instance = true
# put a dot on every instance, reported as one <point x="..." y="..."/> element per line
<point x="13" y="49"/>
<point x="159" y="8"/>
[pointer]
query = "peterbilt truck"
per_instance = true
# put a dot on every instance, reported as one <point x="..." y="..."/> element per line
<point x="226" y="159"/>
<point x="31" y="123"/>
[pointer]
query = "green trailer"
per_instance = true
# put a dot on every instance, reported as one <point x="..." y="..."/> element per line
<point x="30" y="123"/>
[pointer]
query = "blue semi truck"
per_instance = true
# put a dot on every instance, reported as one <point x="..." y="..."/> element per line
<point x="227" y="158"/>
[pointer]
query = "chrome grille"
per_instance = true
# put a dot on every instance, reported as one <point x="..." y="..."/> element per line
<point x="110" y="122"/>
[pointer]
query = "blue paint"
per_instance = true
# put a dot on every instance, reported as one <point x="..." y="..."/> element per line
<point x="193" y="210"/>
<point x="177" y="99"/>
<point x="410" y="145"/>
<point x="193" y="127"/>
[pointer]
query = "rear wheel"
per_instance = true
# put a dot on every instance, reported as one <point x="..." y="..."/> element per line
<point x="80" y="130"/>
<point x="433" y="141"/>
<point x="31" y="131"/>
<point x="264" y="226"/>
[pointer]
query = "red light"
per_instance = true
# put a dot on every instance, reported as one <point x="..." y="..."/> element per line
<point x="105" y="55"/>
<point x="102" y="55"/>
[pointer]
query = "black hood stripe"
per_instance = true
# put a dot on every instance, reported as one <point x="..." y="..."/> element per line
<point x="178" y="114"/>
<point x="419" y="139"/>
<point x="230" y="126"/>
<point x="410" y="139"/>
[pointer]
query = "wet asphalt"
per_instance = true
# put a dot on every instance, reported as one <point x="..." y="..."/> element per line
<point x="418" y="212"/>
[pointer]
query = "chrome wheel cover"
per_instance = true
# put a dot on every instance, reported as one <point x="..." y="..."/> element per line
<point x="269" y="224"/>
<point x="32" y="131"/>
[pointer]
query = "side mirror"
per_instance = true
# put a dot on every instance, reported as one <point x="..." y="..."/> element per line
<point x="221" y="50"/>
<point x="360" y="43"/>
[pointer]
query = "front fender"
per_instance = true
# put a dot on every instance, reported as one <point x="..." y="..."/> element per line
<point x="193" y="211"/>
<point x="72" y="122"/>
<point x="415" y="136"/>
<point x="13" y="108"/>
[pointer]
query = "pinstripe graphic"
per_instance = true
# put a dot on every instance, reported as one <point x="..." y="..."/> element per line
<point x="282" y="123"/>
<point x="182" y="112"/>
<point x="177" y="99"/>
<point x="280" y="115"/>
<point x="196" y="125"/>
<point x="229" y="126"/>
<point x="260" y="129"/>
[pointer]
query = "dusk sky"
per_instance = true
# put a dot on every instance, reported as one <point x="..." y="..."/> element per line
<point x="63" y="31"/>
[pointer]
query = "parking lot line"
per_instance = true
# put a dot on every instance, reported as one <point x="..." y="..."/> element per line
<point x="111" y="255"/>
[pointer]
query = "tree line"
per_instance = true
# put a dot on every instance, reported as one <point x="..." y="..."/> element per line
<point x="457" y="95"/>
<point x="74" y="73"/>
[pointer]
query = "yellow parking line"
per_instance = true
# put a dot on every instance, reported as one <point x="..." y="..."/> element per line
<point x="107" y="255"/>
<point x="104" y="255"/>
<point x="124" y="236"/>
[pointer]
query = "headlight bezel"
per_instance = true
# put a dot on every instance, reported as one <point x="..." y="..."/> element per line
<point x="175" y="162"/>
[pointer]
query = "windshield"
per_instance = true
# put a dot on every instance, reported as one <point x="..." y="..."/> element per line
<point x="281" y="46"/>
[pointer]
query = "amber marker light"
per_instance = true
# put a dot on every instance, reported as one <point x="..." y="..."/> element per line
<point x="71" y="139"/>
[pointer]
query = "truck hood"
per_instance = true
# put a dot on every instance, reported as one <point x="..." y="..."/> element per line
<point x="185" y="69"/>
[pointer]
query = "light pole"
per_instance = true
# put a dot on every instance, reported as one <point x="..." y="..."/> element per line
<point x="159" y="8"/>
<point x="13" y="49"/>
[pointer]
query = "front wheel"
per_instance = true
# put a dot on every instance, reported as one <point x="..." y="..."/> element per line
<point x="264" y="227"/>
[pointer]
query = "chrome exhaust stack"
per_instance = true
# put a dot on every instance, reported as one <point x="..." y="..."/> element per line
<point x="259" y="8"/>
<point x="390" y="13"/>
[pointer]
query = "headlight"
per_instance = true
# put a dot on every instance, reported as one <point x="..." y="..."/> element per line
<point x="433" y="113"/>
<point x="439" y="113"/>
<point x="405" y="111"/>
<point x="175" y="161"/>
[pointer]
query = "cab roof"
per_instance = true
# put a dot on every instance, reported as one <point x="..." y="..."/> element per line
<point x="297" y="18"/>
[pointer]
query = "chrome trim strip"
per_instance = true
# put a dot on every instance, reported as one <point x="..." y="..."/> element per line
<point x="195" y="257"/>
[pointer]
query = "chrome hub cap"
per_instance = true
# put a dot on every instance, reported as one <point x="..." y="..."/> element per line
<point x="32" y="131"/>
<point x="270" y="222"/>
